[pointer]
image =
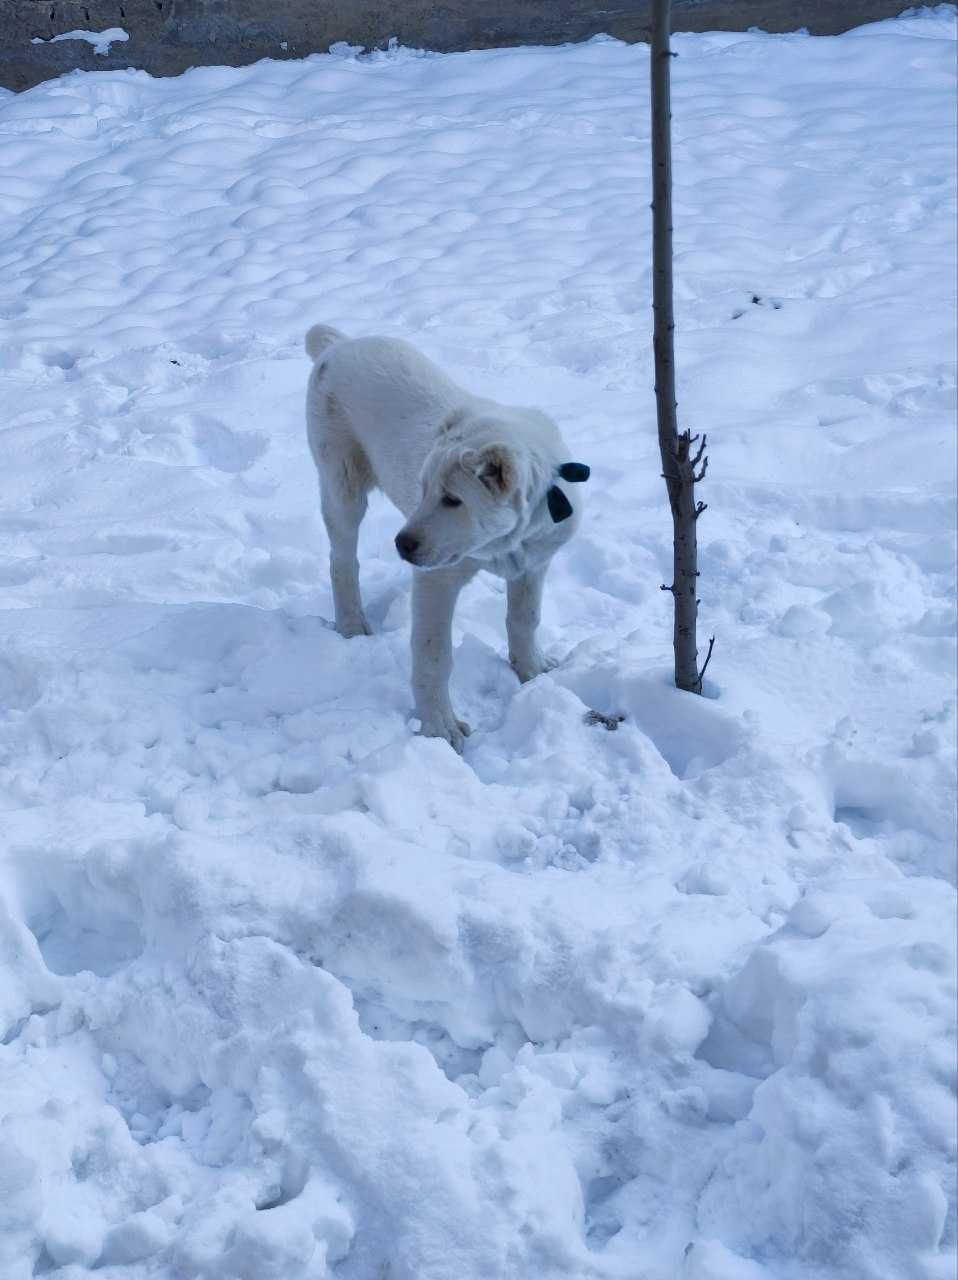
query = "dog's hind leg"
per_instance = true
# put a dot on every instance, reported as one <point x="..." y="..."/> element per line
<point x="434" y="595"/>
<point x="524" y="607"/>
<point x="344" y="482"/>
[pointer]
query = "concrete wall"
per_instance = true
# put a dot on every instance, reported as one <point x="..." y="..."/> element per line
<point x="167" y="36"/>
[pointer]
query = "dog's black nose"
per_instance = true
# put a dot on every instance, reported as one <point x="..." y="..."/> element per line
<point x="406" y="545"/>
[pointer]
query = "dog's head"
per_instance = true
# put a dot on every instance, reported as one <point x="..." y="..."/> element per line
<point x="475" y="489"/>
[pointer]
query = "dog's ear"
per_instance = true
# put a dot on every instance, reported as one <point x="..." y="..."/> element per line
<point x="495" y="466"/>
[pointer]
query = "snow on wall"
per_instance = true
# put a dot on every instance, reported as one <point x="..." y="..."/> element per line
<point x="169" y="36"/>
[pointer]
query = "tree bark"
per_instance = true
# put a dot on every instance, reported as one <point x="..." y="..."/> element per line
<point x="678" y="460"/>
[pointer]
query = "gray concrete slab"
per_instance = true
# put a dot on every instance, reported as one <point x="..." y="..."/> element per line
<point x="167" y="36"/>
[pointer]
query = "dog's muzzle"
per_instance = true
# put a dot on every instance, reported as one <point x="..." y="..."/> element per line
<point x="407" y="545"/>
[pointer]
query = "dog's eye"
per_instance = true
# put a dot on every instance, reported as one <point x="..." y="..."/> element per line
<point x="449" y="501"/>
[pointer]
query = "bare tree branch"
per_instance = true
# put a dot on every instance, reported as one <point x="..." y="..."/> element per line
<point x="708" y="659"/>
<point x="678" y="463"/>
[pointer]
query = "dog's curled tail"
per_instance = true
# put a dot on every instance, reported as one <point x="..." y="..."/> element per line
<point x="319" y="338"/>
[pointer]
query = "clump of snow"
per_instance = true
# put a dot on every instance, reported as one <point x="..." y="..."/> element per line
<point x="286" y="991"/>
<point x="853" y="1003"/>
<point x="100" y="40"/>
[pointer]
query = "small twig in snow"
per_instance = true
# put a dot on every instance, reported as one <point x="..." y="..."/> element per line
<point x="607" y="722"/>
<point x="708" y="658"/>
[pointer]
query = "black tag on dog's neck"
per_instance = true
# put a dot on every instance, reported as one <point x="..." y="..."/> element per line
<point x="560" y="508"/>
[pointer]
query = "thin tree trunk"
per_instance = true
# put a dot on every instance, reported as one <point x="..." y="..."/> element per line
<point x="678" y="461"/>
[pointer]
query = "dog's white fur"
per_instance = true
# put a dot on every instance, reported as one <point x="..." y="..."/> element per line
<point x="469" y="475"/>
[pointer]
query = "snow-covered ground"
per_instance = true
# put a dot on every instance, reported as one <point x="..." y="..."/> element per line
<point x="288" y="992"/>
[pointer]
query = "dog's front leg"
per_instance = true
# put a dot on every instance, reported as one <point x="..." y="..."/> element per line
<point x="524" y="607"/>
<point x="434" y="597"/>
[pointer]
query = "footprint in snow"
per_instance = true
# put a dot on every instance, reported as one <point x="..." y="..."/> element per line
<point x="226" y="449"/>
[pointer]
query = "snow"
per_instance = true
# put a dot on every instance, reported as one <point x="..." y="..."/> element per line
<point x="100" y="40"/>
<point x="287" y="991"/>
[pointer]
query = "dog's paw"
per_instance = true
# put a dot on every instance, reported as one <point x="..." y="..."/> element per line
<point x="446" y="725"/>
<point x="350" y="627"/>
<point x="532" y="665"/>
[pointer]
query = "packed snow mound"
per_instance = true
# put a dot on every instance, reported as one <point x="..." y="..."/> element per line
<point x="846" y="1012"/>
<point x="666" y="991"/>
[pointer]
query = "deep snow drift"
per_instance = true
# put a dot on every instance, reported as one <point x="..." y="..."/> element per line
<point x="286" y="991"/>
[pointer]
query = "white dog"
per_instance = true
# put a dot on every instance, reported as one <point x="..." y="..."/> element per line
<point x="478" y="482"/>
